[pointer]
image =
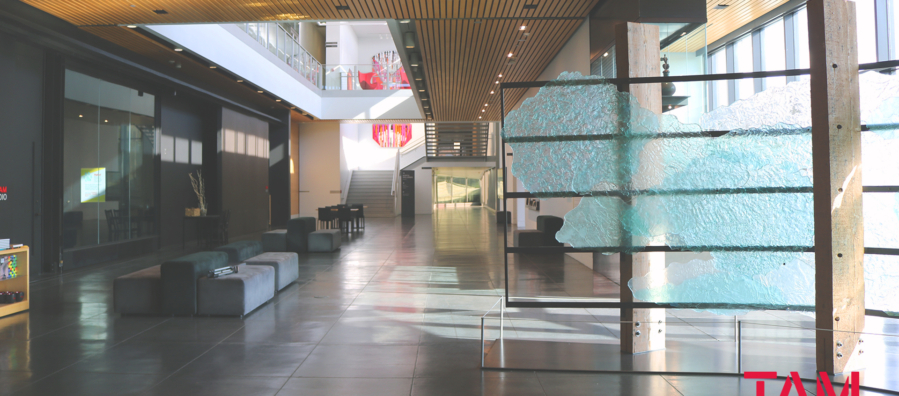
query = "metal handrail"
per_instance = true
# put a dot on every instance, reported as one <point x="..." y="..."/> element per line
<point x="312" y="70"/>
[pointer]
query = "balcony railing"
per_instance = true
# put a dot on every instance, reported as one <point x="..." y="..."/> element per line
<point x="349" y="77"/>
<point x="287" y="48"/>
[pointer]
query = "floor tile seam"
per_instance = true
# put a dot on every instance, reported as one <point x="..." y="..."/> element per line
<point x="542" y="388"/>
<point x="195" y="359"/>
<point x="88" y="357"/>
<point x="671" y="385"/>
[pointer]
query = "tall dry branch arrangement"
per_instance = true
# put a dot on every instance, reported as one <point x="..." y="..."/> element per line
<point x="199" y="187"/>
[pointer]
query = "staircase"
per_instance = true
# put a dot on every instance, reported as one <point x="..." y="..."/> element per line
<point x="372" y="189"/>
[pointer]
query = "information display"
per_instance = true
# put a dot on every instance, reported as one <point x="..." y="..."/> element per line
<point x="93" y="185"/>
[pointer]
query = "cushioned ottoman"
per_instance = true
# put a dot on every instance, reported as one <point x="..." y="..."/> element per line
<point x="324" y="241"/>
<point x="240" y="251"/>
<point x="286" y="265"/>
<point x="236" y="294"/>
<point x="179" y="280"/>
<point x="274" y="241"/>
<point x="550" y="225"/>
<point x="528" y="238"/>
<point x="138" y="292"/>
<point x="298" y="231"/>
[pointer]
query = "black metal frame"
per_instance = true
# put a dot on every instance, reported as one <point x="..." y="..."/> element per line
<point x="527" y="302"/>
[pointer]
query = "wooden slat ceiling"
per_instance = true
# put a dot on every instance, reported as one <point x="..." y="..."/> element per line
<point x="737" y="14"/>
<point x="464" y="43"/>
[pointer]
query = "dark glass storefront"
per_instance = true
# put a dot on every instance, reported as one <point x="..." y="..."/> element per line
<point x="108" y="173"/>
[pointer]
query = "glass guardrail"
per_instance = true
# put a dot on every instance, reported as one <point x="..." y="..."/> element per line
<point x="286" y="47"/>
<point x="384" y="74"/>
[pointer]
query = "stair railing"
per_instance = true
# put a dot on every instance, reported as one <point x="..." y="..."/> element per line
<point x="394" y="187"/>
<point x="345" y="192"/>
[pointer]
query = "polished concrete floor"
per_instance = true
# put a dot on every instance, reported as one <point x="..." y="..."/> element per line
<point x="395" y="312"/>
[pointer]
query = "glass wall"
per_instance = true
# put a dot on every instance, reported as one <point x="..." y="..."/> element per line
<point x="457" y="185"/>
<point x="108" y="175"/>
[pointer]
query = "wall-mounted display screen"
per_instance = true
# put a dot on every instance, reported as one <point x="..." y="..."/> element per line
<point x="93" y="185"/>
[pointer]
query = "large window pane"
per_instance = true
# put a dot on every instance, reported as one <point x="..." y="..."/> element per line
<point x="719" y="65"/>
<point x="109" y="145"/>
<point x="743" y="64"/>
<point x="867" y="31"/>
<point x="802" y="41"/>
<point x="774" y="52"/>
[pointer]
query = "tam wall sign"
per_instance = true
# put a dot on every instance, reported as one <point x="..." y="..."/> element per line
<point x="391" y="135"/>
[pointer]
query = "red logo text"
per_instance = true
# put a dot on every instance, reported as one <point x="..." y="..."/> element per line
<point x="825" y="387"/>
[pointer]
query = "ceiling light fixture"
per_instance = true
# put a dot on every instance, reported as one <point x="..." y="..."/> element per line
<point x="683" y="34"/>
<point x="259" y="91"/>
<point x="497" y="82"/>
<point x="277" y="100"/>
<point x="179" y="49"/>
<point x="342" y="8"/>
<point x="721" y="6"/>
<point x="482" y="110"/>
<point x="605" y="54"/>
<point x="491" y="92"/>
<point x="485" y="105"/>
<point x="212" y="66"/>
<point x="500" y="76"/>
<point x="522" y="27"/>
<point x="405" y="20"/>
<point x="530" y="7"/>
<point x="239" y="80"/>
<point x="80" y="115"/>
<point x="414" y="59"/>
<point x="409" y="39"/>
<point x="132" y="26"/>
<point x="510" y="55"/>
<point x="160" y="12"/>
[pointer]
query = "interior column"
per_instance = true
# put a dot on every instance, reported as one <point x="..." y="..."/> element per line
<point x="638" y="55"/>
<point x="836" y="156"/>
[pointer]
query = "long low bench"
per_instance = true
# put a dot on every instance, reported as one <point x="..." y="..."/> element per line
<point x="236" y="294"/>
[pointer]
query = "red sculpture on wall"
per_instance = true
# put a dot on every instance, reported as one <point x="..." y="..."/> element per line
<point x="391" y="135"/>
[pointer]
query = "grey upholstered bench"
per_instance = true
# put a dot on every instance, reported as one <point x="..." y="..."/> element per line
<point x="274" y="241"/>
<point x="528" y="238"/>
<point x="236" y="294"/>
<point x="241" y="250"/>
<point x="139" y="292"/>
<point x="324" y="241"/>
<point x="286" y="265"/>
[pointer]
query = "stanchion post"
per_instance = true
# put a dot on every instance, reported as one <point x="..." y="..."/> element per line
<point x="739" y="346"/>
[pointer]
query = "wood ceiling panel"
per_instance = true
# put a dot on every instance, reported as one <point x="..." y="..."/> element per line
<point x="463" y="43"/>
<point x="737" y="14"/>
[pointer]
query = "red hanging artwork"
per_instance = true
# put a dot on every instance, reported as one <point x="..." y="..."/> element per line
<point x="391" y="135"/>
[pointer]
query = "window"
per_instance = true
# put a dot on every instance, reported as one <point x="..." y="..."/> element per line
<point x="743" y="64"/>
<point x="867" y="31"/>
<point x="774" y="55"/>
<point x="718" y="65"/>
<point x="109" y="145"/>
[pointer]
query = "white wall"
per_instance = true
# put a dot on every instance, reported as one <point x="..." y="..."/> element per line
<point x="347" y="50"/>
<point x="319" y="163"/>
<point x="574" y="56"/>
<point x="224" y="45"/>
<point x="368" y="46"/>
<point x="423" y="191"/>
<point x="369" y="105"/>
<point x="363" y="153"/>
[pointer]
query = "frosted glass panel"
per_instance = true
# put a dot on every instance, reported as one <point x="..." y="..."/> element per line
<point x="881" y="283"/>
<point x="881" y="220"/>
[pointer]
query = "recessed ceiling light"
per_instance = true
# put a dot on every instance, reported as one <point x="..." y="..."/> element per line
<point x="105" y="120"/>
<point x="496" y="82"/>
<point x="405" y="21"/>
<point x="491" y="92"/>
<point x="212" y="66"/>
<point x="510" y="55"/>
<point x="500" y="76"/>
<point x="479" y="117"/>
<point x="605" y="54"/>
<point x="485" y="105"/>
<point x="277" y="100"/>
<point x="259" y="91"/>
<point x="424" y="98"/>
<point x="239" y="80"/>
<point x="80" y="115"/>
<point x="421" y="90"/>
<point x="683" y="34"/>
<point x="482" y="110"/>
<point x="293" y="107"/>
<point x="132" y="26"/>
<point x="179" y="49"/>
<point x="522" y="27"/>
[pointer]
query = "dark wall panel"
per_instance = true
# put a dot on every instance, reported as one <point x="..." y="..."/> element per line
<point x="183" y="117"/>
<point x="244" y="172"/>
<point x="21" y="115"/>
